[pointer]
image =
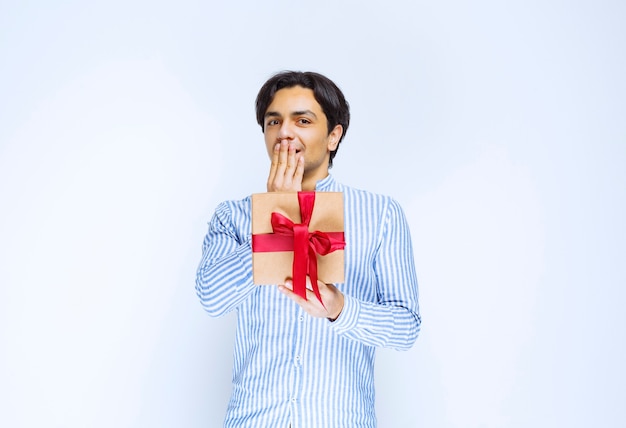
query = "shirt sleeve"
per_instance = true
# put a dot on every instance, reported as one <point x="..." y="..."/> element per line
<point x="224" y="276"/>
<point x="394" y="320"/>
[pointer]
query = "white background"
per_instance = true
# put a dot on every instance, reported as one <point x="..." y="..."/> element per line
<point x="499" y="126"/>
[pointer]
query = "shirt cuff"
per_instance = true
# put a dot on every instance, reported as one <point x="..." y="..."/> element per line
<point x="349" y="316"/>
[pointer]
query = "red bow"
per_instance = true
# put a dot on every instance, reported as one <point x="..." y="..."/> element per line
<point x="305" y="245"/>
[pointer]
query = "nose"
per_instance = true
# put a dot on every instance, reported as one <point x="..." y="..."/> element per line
<point x="285" y="132"/>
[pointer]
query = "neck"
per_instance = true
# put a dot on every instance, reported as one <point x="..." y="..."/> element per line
<point x="308" y="183"/>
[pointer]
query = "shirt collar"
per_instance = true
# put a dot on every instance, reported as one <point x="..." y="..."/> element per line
<point x="325" y="183"/>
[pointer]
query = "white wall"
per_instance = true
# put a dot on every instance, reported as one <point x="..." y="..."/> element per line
<point x="498" y="125"/>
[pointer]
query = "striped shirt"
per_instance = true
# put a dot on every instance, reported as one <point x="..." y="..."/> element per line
<point x="291" y="368"/>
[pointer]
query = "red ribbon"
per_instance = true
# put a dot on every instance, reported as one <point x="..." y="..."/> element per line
<point x="305" y="245"/>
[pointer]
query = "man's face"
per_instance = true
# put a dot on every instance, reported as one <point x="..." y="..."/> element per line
<point x="296" y="117"/>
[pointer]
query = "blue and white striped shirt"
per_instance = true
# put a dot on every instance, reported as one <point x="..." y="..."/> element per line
<point x="291" y="368"/>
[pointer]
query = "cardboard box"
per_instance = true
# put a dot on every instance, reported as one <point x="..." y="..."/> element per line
<point x="273" y="266"/>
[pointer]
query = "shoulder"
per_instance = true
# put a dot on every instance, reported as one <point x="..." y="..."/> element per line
<point x="233" y="211"/>
<point x="234" y="205"/>
<point x="364" y="201"/>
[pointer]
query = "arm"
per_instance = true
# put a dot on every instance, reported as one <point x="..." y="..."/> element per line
<point x="224" y="276"/>
<point x="394" y="320"/>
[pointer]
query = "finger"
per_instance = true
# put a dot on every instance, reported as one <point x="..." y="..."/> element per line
<point x="287" y="173"/>
<point x="278" y="180"/>
<point x="311" y="297"/>
<point x="323" y="287"/>
<point x="310" y="294"/>
<point x="291" y="162"/>
<point x="320" y="284"/>
<point x="282" y="158"/>
<point x="295" y="169"/>
<point x="299" y="174"/>
<point x="273" y="167"/>
<point x="290" y="286"/>
<point x="311" y="305"/>
<point x="287" y="290"/>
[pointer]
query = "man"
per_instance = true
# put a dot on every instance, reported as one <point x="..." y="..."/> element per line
<point x="298" y="362"/>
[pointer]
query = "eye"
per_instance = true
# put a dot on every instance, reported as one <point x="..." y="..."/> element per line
<point x="272" y="122"/>
<point x="304" y="121"/>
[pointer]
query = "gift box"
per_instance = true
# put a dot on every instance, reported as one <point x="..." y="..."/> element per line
<point x="295" y="234"/>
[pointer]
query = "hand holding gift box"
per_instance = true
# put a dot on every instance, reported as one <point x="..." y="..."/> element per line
<point x="297" y="234"/>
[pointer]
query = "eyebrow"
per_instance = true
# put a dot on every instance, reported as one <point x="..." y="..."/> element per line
<point x="295" y="113"/>
<point x="304" y="113"/>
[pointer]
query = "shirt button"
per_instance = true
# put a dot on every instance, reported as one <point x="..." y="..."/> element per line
<point x="297" y="357"/>
<point x="301" y="318"/>
<point x="293" y="400"/>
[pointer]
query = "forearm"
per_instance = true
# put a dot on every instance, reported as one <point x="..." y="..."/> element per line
<point x="390" y="316"/>
<point x="223" y="283"/>
<point x="380" y="325"/>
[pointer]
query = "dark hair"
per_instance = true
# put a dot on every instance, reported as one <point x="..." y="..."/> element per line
<point x="326" y="93"/>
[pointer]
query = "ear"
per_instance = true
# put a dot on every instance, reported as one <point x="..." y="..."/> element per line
<point x="334" y="137"/>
